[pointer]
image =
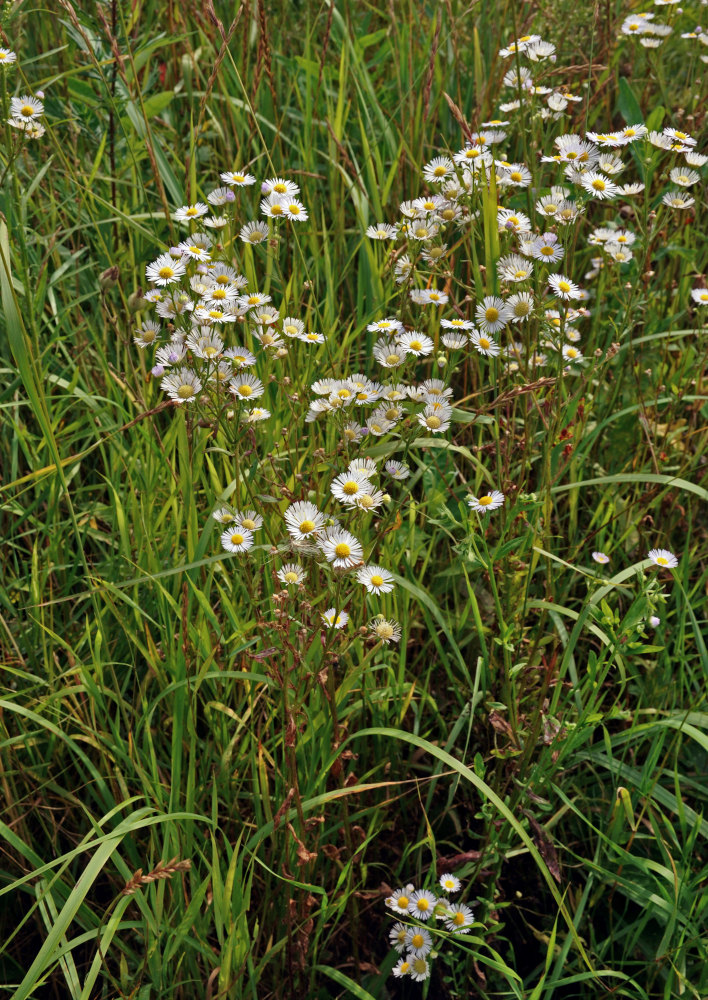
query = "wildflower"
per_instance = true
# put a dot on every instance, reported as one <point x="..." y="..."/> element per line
<point x="255" y="415"/>
<point x="7" y="56"/>
<point x="671" y="133"/>
<point x="449" y="883"/>
<point x="246" y="387"/>
<point x="492" y="314"/>
<point x="663" y="558"/>
<point x="601" y="557"/>
<point x="515" y="221"/>
<point x="390" y="325"/>
<point x="220" y="196"/>
<point x="335" y="619"/>
<point x="484" y="344"/>
<point x="280" y="186"/>
<point x="165" y="270"/>
<point x="514" y="268"/>
<point x="457" y="324"/>
<point x="547" y="247"/>
<point x="196" y="247"/>
<point x="437" y="169"/>
<point x="25" y="107"/>
<point x="420" y="969"/>
<point x="421" y="904"/>
<point x="341" y="548"/>
<point x="224" y="515"/>
<point x="295" y="210"/>
<point x="376" y="579"/>
<point x="571" y="353"/>
<point x="203" y="344"/>
<point x="435" y="418"/>
<point x="399" y="470"/>
<point x="419" y="941"/>
<point x="349" y="485"/>
<point x="381" y="231"/>
<point x="695" y="159"/>
<point x="365" y="466"/>
<point x="401" y="968"/>
<point x="520" y="306"/>
<point x="563" y="287"/>
<point x="385" y="630"/>
<point x="488" y="501"/>
<point x="677" y="199"/>
<point x="147" y="333"/>
<point x="399" y="900"/>
<point x="303" y="519"/>
<point x="700" y="296"/>
<point x="434" y="389"/>
<point x="187" y="213"/>
<point x="291" y="574"/>
<point x="428" y="296"/>
<point x="237" y="539"/>
<point x="459" y="919"/>
<point x="253" y="232"/>
<point x="398" y="936"/>
<point x="684" y="178"/>
<point x="654" y="621"/>
<point x="610" y="164"/>
<point x="237" y="179"/>
<point x="416" y="343"/>
<point x="454" y="341"/>
<point x="248" y="519"/>
<point x="240" y="357"/>
<point x="516" y="175"/>
<point x="598" y="186"/>
<point x="371" y="500"/>
<point x="181" y="385"/>
<point x="388" y="353"/>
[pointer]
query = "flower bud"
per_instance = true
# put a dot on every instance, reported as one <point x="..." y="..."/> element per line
<point x="109" y="278"/>
<point x="136" y="301"/>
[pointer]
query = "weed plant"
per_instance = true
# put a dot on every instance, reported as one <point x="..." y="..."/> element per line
<point x="354" y="478"/>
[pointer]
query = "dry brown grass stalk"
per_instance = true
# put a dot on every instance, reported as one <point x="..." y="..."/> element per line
<point x="162" y="870"/>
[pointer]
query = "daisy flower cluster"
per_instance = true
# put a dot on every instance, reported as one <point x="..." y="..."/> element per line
<point x="652" y="33"/>
<point x="535" y="306"/>
<point x="216" y="344"/>
<point x="25" y="111"/>
<point x="414" y="942"/>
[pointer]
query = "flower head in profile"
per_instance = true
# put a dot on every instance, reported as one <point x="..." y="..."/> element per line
<point x="601" y="557"/>
<point x="663" y="558"/>
<point x="486" y="502"/>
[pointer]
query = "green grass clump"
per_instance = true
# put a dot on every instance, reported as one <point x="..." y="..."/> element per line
<point x="208" y="792"/>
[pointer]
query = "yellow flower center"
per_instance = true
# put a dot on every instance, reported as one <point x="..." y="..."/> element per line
<point x="148" y="336"/>
<point x="166" y="272"/>
<point x="484" y="343"/>
<point x="662" y="560"/>
<point x="366" y="501"/>
<point x="433" y="422"/>
<point x="280" y="188"/>
<point x="485" y="501"/>
<point x="342" y="550"/>
<point x="291" y="577"/>
<point x="417" y="940"/>
<point x="192" y="211"/>
<point x="209" y="351"/>
<point x="422" y="904"/>
<point x="218" y="293"/>
<point x="237" y="539"/>
<point x="547" y="251"/>
<point x="439" y="171"/>
<point x="244" y="390"/>
<point x="520" y="274"/>
<point x="458" y="919"/>
<point x="415" y="345"/>
<point x="307" y="526"/>
<point x="516" y="176"/>
<point x="384" y="630"/>
<point x="491" y="314"/>
<point x="434" y="297"/>
<point x="402" y="902"/>
<point x="571" y="155"/>
<point x="598" y="184"/>
<point x="550" y="209"/>
<point x="350" y="488"/>
<point x="563" y="286"/>
<point x="377" y="581"/>
<point x="185" y="391"/>
<point x="294" y="209"/>
<point x="27" y="109"/>
<point x="248" y="523"/>
<point x="393" y="359"/>
<point x="276" y="209"/>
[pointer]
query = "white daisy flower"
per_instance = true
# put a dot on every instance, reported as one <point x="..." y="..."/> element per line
<point x="246" y="386"/>
<point x="365" y="466"/>
<point x="420" y="968"/>
<point x="388" y="353"/>
<point x="165" y="270"/>
<point x="514" y="267"/>
<point x="401" y="968"/>
<point x="399" y="899"/>
<point x="547" y="247"/>
<point x="397" y="470"/>
<point x="435" y="418"/>
<point x="398" y="936"/>
<point x="416" y="343"/>
<point x="492" y="314"/>
<point x="385" y="630"/>
<point x="487" y="501"/>
<point x="295" y="210"/>
<point x="237" y="178"/>
<point x="450" y="883"/>
<point x="26" y="107"/>
<point x="601" y="557"/>
<point x="598" y="186"/>
<point x="291" y="574"/>
<point x="381" y="231"/>
<point x="303" y="519"/>
<point x="663" y="558"/>
<point x="700" y="296"/>
<point x="196" y="247"/>
<point x="335" y="619"/>
<point x="376" y="579"/>
<point x="572" y="354"/>
<point x="437" y="169"/>
<point x="237" y="539"/>
<point x="280" y="186"/>
<point x="181" y="385"/>
<point x="484" y="344"/>
<point x="419" y="941"/>
<point x="349" y="485"/>
<point x="459" y="918"/>
<point x="563" y="287"/>
<point x="341" y="548"/>
<point x="253" y="232"/>
<point x="7" y="57"/>
<point x="520" y="306"/>
<point x="678" y="199"/>
<point x="187" y="213"/>
<point x="421" y="904"/>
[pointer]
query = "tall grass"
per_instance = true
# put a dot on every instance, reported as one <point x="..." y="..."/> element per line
<point x="197" y="801"/>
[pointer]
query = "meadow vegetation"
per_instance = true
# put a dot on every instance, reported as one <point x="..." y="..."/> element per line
<point x="353" y="598"/>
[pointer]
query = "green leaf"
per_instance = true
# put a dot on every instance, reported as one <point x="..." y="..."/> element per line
<point x="628" y="103"/>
